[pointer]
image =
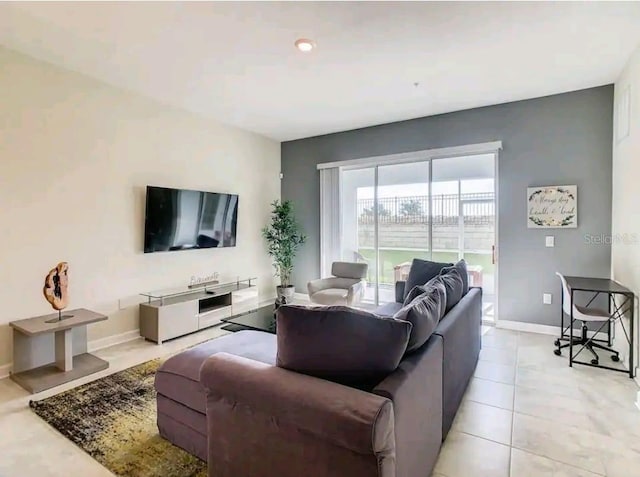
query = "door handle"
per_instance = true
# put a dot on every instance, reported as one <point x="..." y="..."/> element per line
<point x="493" y="255"/>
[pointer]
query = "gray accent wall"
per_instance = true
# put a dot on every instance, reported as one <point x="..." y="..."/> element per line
<point x="555" y="140"/>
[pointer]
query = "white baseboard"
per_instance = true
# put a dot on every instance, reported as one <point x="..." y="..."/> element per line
<point x="528" y="327"/>
<point x="5" y="369"/>
<point x="113" y="340"/>
<point x="638" y="397"/>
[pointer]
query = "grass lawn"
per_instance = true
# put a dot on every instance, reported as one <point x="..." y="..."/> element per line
<point x="391" y="258"/>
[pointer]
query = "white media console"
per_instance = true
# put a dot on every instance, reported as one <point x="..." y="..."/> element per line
<point x="175" y="313"/>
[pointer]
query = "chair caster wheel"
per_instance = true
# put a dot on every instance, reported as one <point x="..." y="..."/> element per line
<point x="557" y="352"/>
<point x="595" y="361"/>
<point x="556" y="343"/>
<point x="615" y="358"/>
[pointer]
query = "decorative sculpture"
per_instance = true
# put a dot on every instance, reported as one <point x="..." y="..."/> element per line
<point x="56" y="287"/>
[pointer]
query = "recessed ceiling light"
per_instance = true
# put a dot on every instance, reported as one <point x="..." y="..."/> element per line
<point x="305" y="45"/>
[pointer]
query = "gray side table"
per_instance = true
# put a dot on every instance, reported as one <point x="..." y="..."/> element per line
<point x="47" y="352"/>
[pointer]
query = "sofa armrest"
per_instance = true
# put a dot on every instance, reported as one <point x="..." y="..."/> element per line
<point x="400" y="291"/>
<point x="345" y="417"/>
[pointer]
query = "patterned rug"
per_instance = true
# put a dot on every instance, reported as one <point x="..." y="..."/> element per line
<point x="113" y="419"/>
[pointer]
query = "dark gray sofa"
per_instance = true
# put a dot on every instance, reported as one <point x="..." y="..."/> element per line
<point x="460" y="332"/>
<point x="226" y="402"/>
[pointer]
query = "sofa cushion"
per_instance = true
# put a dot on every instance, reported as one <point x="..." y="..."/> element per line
<point x="421" y="272"/>
<point x="388" y="309"/>
<point x="461" y="266"/>
<point x="330" y="296"/>
<point x="339" y="343"/>
<point x="178" y="378"/>
<point x="414" y="293"/>
<point x="453" y="286"/>
<point x="424" y="313"/>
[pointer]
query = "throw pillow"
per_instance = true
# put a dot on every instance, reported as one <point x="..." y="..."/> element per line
<point x="421" y="272"/>
<point x="424" y="313"/>
<point x="413" y="294"/>
<point x="453" y="285"/>
<point x="340" y="343"/>
<point x="461" y="266"/>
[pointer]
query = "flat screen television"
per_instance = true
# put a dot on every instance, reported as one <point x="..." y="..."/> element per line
<point x="178" y="219"/>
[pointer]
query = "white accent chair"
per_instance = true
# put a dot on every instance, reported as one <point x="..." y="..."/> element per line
<point x="586" y="315"/>
<point x="345" y="287"/>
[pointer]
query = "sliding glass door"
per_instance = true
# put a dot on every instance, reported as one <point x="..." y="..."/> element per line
<point x="403" y="223"/>
<point x="437" y="209"/>
<point x="464" y="219"/>
<point x="385" y="222"/>
<point x="358" y="222"/>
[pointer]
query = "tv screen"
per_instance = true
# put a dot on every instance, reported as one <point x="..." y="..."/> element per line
<point x="179" y="219"/>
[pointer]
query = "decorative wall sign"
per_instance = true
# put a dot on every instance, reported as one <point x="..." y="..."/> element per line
<point x="202" y="281"/>
<point x="552" y="207"/>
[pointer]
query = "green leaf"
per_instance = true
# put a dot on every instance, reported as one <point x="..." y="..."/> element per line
<point x="283" y="237"/>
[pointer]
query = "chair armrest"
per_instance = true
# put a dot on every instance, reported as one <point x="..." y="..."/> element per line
<point x="349" y="418"/>
<point x="355" y="292"/>
<point x="400" y="291"/>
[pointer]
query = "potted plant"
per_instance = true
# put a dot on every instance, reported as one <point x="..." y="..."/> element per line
<point x="283" y="237"/>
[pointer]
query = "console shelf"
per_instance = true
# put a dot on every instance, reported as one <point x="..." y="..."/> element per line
<point x="172" y="313"/>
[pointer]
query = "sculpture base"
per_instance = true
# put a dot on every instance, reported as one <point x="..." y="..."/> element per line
<point x="59" y="318"/>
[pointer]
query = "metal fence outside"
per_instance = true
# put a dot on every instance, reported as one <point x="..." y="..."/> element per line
<point x="476" y="208"/>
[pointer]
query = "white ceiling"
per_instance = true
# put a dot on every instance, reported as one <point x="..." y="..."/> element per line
<point x="235" y="62"/>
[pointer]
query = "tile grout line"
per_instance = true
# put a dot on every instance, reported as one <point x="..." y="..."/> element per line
<point x="528" y="451"/>
<point x="489" y="405"/>
<point x="513" y="404"/>
<point x="483" y="438"/>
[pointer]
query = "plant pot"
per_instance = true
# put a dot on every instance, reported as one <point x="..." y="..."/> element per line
<point x="286" y="292"/>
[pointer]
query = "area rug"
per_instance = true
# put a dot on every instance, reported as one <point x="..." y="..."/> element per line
<point x="113" y="419"/>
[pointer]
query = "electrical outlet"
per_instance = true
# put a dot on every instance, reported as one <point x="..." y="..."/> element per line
<point x="549" y="241"/>
<point x="546" y="298"/>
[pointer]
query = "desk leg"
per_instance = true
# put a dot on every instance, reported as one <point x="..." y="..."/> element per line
<point x="561" y="311"/>
<point x="631" y="335"/>
<point x="571" y="332"/>
<point x="609" y="341"/>
<point x="64" y="350"/>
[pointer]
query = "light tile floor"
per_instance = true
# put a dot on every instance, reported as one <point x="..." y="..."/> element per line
<point x="525" y="414"/>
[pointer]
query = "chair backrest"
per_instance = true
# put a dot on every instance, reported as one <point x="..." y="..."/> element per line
<point x="349" y="270"/>
<point x="566" y="296"/>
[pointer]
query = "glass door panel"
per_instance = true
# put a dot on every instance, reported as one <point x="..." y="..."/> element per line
<point x="357" y="227"/>
<point x="464" y="219"/>
<point x="402" y="195"/>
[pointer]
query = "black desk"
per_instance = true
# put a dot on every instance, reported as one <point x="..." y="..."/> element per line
<point x="599" y="286"/>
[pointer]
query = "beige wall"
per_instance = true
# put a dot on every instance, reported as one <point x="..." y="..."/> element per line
<point x="75" y="157"/>
<point x="626" y="180"/>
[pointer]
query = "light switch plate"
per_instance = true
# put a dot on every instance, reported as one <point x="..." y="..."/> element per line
<point x="549" y="241"/>
<point x="546" y="298"/>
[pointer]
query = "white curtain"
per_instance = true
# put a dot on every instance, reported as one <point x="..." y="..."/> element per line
<point x="329" y="219"/>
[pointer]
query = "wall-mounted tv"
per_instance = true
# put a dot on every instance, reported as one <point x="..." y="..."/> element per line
<point x="178" y="219"/>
